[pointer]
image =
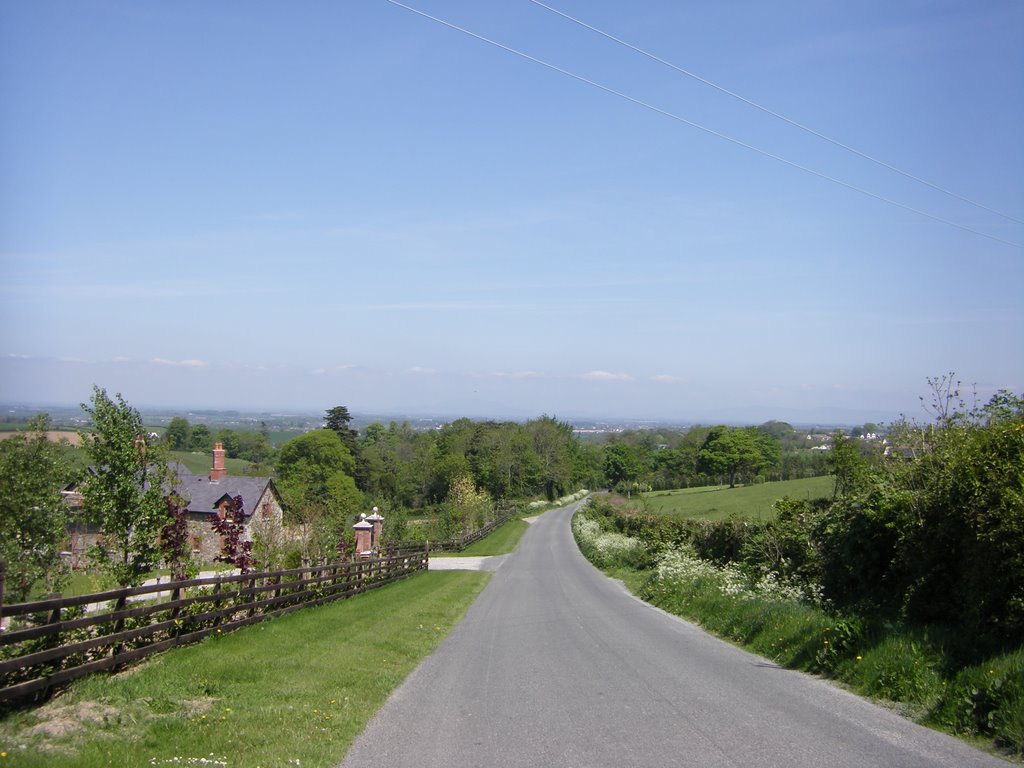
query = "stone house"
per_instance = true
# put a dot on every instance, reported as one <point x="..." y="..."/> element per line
<point x="205" y="498"/>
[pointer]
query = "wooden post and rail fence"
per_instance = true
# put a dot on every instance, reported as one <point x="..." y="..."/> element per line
<point x="48" y="643"/>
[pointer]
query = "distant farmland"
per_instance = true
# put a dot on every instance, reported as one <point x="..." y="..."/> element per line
<point x="717" y="502"/>
<point x="54" y="436"/>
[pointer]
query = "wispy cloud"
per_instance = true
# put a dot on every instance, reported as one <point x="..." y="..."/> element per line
<point x="323" y="371"/>
<point x="607" y="376"/>
<point x="666" y="378"/>
<point x="421" y="371"/>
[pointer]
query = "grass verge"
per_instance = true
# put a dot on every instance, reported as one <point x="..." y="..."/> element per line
<point x="500" y="541"/>
<point x="291" y="691"/>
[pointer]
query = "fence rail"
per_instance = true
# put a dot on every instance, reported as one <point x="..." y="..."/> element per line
<point x="48" y="643"/>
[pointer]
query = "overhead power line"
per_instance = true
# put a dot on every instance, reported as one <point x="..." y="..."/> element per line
<point x="773" y="113"/>
<point x="698" y="126"/>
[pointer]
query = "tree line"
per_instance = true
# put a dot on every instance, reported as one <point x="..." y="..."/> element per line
<point x="435" y="483"/>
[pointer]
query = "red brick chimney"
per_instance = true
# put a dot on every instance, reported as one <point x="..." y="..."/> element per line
<point x="217" y="471"/>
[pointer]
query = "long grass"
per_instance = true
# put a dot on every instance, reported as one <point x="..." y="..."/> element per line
<point x="292" y="691"/>
<point x="718" y="502"/>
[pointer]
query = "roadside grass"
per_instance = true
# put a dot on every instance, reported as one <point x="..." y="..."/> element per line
<point x="198" y="462"/>
<point x="908" y="668"/>
<point x="290" y="691"/>
<point x="500" y="541"/>
<point x="718" y="502"/>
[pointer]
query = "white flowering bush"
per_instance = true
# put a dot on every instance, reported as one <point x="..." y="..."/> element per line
<point x="606" y="549"/>
<point x="559" y="502"/>
<point x="681" y="568"/>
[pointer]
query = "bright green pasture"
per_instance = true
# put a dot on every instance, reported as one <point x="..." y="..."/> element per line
<point x="198" y="463"/>
<point x="291" y="691"/>
<point x="717" y="502"/>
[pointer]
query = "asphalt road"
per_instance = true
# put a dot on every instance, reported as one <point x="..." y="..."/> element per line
<point x="556" y="665"/>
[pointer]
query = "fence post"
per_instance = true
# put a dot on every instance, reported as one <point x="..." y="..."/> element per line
<point x="216" y="603"/>
<point x="116" y="648"/>
<point x="3" y="576"/>
<point x="176" y="610"/>
<point x="252" y="597"/>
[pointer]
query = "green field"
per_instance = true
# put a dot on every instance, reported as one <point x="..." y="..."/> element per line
<point x="717" y="502"/>
<point x="199" y="462"/>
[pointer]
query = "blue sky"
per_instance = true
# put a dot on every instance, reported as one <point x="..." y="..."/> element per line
<point x="271" y="205"/>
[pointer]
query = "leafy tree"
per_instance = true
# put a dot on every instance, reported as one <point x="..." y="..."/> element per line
<point x="846" y="464"/>
<point x="33" y="516"/>
<point x="315" y="474"/>
<point x="201" y="438"/>
<point x="254" y="446"/>
<point x="124" y="491"/>
<point x="554" y="446"/>
<point x="671" y="467"/>
<point x="777" y="429"/>
<point x="624" y="464"/>
<point x="179" y="434"/>
<point x="231" y="442"/>
<point x="469" y="505"/>
<point x="731" y="452"/>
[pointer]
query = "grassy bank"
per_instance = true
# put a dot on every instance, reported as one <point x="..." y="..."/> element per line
<point x="292" y="691"/>
<point x="500" y="541"/>
<point x="717" y="502"/>
<point x="906" y="667"/>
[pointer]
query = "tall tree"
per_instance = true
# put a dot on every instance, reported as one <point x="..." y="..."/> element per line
<point x="337" y="419"/>
<point x="32" y="512"/>
<point x="554" y="445"/>
<point x="124" y="491"/>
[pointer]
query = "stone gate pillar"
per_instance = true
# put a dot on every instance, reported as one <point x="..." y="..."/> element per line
<point x="378" y="523"/>
<point x="364" y="534"/>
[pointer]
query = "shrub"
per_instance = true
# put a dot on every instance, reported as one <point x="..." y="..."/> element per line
<point x="607" y="549"/>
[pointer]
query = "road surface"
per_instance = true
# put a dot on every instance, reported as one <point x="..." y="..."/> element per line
<point x="556" y="665"/>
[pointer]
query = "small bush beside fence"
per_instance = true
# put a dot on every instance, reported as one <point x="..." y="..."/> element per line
<point x="48" y="643"/>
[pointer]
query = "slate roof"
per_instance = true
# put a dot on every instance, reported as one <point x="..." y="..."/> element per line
<point x="203" y="495"/>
